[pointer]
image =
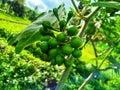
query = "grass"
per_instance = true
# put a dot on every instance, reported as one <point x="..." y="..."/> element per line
<point x="12" y="27"/>
<point x="14" y="18"/>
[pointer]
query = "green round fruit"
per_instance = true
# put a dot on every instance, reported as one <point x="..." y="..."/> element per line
<point x="62" y="24"/>
<point x="46" y="24"/>
<point x="53" y="62"/>
<point x="61" y="37"/>
<point x="73" y="31"/>
<point x="70" y="14"/>
<point x="77" y="53"/>
<point x="67" y="63"/>
<point x="55" y="11"/>
<point x="53" y="52"/>
<point x="44" y="38"/>
<point x="53" y="43"/>
<point x="90" y="31"/>
<point x="45" y="57"/>
<point x="59" y="59"/>
<point x="44" y="46"/>
<point x="40" y="54"/>
<point x="76" y="42"/>
<point x="67" y="49"/>
<point x="43" y="31"/>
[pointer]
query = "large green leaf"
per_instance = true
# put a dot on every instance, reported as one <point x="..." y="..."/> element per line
<point x="111" y="4"/>
<point x="31" y="33"/>
<point x="25" y="42"/>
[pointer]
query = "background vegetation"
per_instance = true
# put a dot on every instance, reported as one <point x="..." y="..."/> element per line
<point x="26" y="71"/>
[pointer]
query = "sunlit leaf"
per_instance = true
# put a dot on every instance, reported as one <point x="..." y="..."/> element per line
<point x="111" y="4"/>
<point x="22" y="42"/>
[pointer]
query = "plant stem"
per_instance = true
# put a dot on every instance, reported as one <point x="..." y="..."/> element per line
<point x="88" y="18"/>
<point x="86" y="81"/>
<point x="95" y="51"/>
<point x="90" y="76"/>
<point x="109" y="51"/>
<point x="63" y="79"/>
<point x="103" y="52"/>
<point x="82" y="29"/>
<point x="76" y="8"/>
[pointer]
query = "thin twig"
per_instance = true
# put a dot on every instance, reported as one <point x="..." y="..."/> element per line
<point x="107" y="68"/>
<point x="82" y="29"/>
<point x="93" y="12"/>
<point x="95" y="51"/>
<point x="84" y="26"/>
<point x="105" y="57"/>
<point x="76" y="8"/>
<point x="86" y="81"/>
<point x="103" y="52"/>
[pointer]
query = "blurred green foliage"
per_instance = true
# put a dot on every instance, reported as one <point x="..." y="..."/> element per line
<point x="25" y="71"/>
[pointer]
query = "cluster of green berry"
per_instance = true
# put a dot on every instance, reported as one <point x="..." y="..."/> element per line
<point x="59" y="48"/>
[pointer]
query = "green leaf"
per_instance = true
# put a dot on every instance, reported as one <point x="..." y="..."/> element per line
<point x="13" y="40"/>
<point x="35" y="36"/>
<point x="31" y="34"/>
<point x="111" y="4"/>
